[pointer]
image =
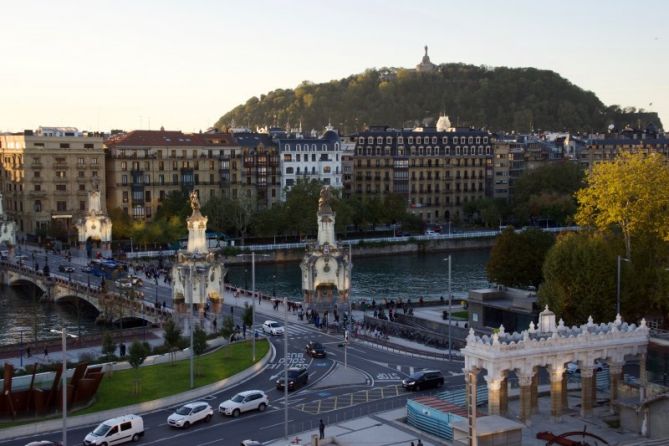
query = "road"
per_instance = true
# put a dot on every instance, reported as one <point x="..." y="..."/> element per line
<point x="381" y="371"/>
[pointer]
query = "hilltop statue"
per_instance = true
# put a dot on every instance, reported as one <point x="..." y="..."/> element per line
<point x="324" y="200"/>
<point x="194" y="201"/>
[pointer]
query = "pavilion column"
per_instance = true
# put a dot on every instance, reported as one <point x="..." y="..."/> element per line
<point x="494" y="394"/>
<point x="472" y="381"/>
<point x="534" y="391"/>
<point x="525" y="382"/>
<point x="594" y="387"/>
<point x="557" y="389"/>
<point x="615" y="374"/>
<point x="565" y="392"/>
<point x="587" y="382"/>
<point x="643" y="376"/>
<point x="504" y="395"/>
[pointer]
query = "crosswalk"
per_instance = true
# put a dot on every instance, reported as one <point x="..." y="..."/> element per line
<point x="295" y="331"/>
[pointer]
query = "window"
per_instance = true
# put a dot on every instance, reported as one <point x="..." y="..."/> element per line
<point x="94" y="160"/>
<point x="61" y="187"/>
<point x="124" y="165"/>
<point x="287" y="157"/>
<point x="419" y="140"/>
<point x="81" y="174"/>
<point x="64" y="146"/>
<point x="82" y="187"/>
<point x="124" y="179"/>
<point x="38" y="187"/>
<point x="147" y="196"/>
<point x="60" y="174"/>
<point x="400" y="140"/>
<point x="410" y="140"/>
<point x="289" y="170"/>
<point x="126" y="426"/>
<point x="61" y="206"/>
<point x="80" y="161"/>
<point x="38" y="206"/>
<point x="82" y="205"/>
<point x="326" y="169"/>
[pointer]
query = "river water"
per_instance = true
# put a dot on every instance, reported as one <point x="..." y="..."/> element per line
<point x="406" y="276"/>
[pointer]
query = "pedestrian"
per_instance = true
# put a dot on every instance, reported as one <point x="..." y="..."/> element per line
<point x="28" y="351"/>
<point x="321" y="429"/>
<point x="46" y="352"/>
<point x="420" y="443"/>
<point x="232" y="310"/>
<point x="215" y="324"/>
<point x="412" y="444"/>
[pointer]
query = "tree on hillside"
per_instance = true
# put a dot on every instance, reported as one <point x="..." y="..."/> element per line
<point x="631" y="194"/>
<point x="516" y="259"/>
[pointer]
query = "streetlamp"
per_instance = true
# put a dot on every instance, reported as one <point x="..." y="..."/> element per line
<point x="285" y="365"/>
<point x="450" y="301"/>
<point x="64" y="334"/>
<point x="253" y="300"/>
<point x="620" y="258"/>
<point x="274" y="285"/>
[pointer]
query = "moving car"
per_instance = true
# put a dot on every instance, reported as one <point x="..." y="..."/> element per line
<point x="574" y="367"/>
<point x="273" y="328"/>
<point x="65" y="269"/>
<point x="116" y="430"/>
<point x="297" y="376"/>
<point x="250" y="443"/>
<point x="129" y="282"/>
<point x="315" y="349"/>
<point x="44" y="443"/>
<point x="244" y="402"/>
<point x="190" y="413"/>
<point x="425" y="379"/>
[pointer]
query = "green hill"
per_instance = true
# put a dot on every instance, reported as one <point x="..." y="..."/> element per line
<point x="499" y="98"/>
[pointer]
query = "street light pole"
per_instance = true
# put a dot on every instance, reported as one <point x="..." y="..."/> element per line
<point x="620" y="258"/>
<point x="253" y="303"/>
<point x="450" y="302"/>
<point x="285" y="365"/>
<point x="64" y="336"/>
<point x="190" y="325"/>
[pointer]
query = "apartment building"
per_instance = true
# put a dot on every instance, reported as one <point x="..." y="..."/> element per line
<point x="144" y="166"/>
<point x="606" y="147"/>
<point x="437" y="170"/>
<point x="47" y="174"/>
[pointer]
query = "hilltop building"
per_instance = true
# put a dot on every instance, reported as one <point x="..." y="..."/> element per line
<point x="47" y="175"/>
<point x="425" y="66"/>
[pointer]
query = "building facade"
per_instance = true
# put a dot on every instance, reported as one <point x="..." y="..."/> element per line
<point x="607" y="147"/>
<point x="144" y="166"/>
<point x="47" y="175"/>
<point x="256" y="173"/>
<point x="437" y="171"/>
<point x="314" y="158"/>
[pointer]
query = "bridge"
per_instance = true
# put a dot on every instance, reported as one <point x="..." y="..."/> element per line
<point x="112" y="307"/>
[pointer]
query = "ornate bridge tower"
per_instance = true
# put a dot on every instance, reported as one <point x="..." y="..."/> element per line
<point x="326" y="267"/>
<point x="95" y="225"/>
<point x="7" y="229"/>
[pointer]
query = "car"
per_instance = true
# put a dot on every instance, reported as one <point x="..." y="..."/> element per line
<point x="116" y="430"/>
<point x="44" y="443"/>
<point x="430" y="233"/>
<point x="423" y="379"/>
<point x="190" y="413"/>
<point x="65" y="268"/>
<point x="244" y="402"/>
<point x="273" y="328"/>
<point x="315" y="349"/>
<point x="129" y="282"/>
<point x="87" y="269"/>
<point x="250" y="443"/>
<point x="297" y="376"/>
<point x="136" y="281"/>
<point x="574" y="367"/>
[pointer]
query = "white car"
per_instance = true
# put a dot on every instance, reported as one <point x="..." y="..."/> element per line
<point x="243" y="402"/>
<point x="190" y="413"/>
<point x="273" y="328"/>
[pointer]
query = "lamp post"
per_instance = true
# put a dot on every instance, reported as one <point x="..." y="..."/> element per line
<point x="274" y="285"/>
<point x="620" y="258"/>
<point x="285" y="365"/>
<point x="253" y="303"/>
<point x="190" y="325"/>
<point x="64" y="336"/>
<point x="450" y="301"/>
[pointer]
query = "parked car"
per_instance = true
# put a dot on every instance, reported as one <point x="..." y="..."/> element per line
<point x="273" y="328"/>
<point x="190" y="413"/>
<point x="116" y="430"/>
<point x="573" y="367"/>
<point x="129" y="282"/>
<point x="425" y="379"/>
<point x="297" y="376"/>
<point x="315" y="349"/>
<point x="44" y="443"/>
<point x="244" y="402"/>
<point x="430" y="233"/>
<point x="65" y="268"/>
<point x="250" y="443"/>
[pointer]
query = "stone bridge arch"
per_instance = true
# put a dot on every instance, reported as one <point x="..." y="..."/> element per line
<point x="16" y="281"/>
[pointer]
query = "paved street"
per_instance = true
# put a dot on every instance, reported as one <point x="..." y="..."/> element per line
<point x="368" y="385"/>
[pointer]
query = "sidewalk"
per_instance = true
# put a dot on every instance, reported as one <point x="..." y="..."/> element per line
<point x="381" y="429"/>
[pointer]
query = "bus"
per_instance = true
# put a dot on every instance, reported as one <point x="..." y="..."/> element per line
<point x="109" y="269"/>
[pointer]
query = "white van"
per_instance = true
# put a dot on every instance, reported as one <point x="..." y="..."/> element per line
<point x="116" y="431"/>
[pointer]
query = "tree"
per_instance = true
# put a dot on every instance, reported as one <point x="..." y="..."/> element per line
<point x="172" y="337"/>
<point x="631" y="194"/>
<point x="247" y="316"/>
<point x="516" y="259"/>
<point x="176" y="203"/>
<point x="228" y="327"/>
<point x="121" y="224"/>
<point x="199" y="342"/>
<point x="243" y="211"/>
<point x="136" y="357"/>
<point x="108" y="345"/>
<point x="301" y="206"/>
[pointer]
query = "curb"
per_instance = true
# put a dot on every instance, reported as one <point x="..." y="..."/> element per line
<point x="147" y="406"/>
<point x="397" y="349"/>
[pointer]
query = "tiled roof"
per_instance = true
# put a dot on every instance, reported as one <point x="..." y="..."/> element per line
<point x="163" y="138"/>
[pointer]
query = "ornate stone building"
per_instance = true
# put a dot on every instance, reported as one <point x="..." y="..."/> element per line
<point x="95" y="225"/>
<point x="7" y="228"/>
<point x="326" y="267"/>
<point x="47" y="174"/>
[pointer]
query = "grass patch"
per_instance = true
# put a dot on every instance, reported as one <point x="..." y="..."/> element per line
<point x="464" y="314"/>
<point x="158" y="381"/>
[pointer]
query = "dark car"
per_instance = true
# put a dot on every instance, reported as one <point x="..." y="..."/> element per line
<point x="425" y="379"/>
<point x="297" y="376"/>
<point x="315" y="349"/>
<point x="65" y="269"/>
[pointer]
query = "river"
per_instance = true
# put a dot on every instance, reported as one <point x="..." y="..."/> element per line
<point x="22" y="315"/>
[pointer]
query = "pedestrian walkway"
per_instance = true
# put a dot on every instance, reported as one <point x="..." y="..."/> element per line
<point x="382" y="429"/>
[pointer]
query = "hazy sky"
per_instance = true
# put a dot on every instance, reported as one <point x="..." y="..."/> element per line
<point x="182" y="64"/>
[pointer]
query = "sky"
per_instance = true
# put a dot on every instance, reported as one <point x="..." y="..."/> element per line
<point x="117" y="64"/>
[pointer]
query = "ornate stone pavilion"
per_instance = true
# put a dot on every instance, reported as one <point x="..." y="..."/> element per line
<point x="326" y="268"/>
<point x="7" y="228"/>
<point x="198" y="273"/>
<point x="552" y="346"/>
<point x="95" y="225"/>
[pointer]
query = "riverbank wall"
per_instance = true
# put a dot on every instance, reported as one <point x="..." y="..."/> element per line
<point x="372" y="249"/>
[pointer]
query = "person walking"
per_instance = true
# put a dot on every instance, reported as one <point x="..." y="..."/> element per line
<point x="46" y="352"/>
<point x="321" y="429"/>
<point x="420" y="443"/>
